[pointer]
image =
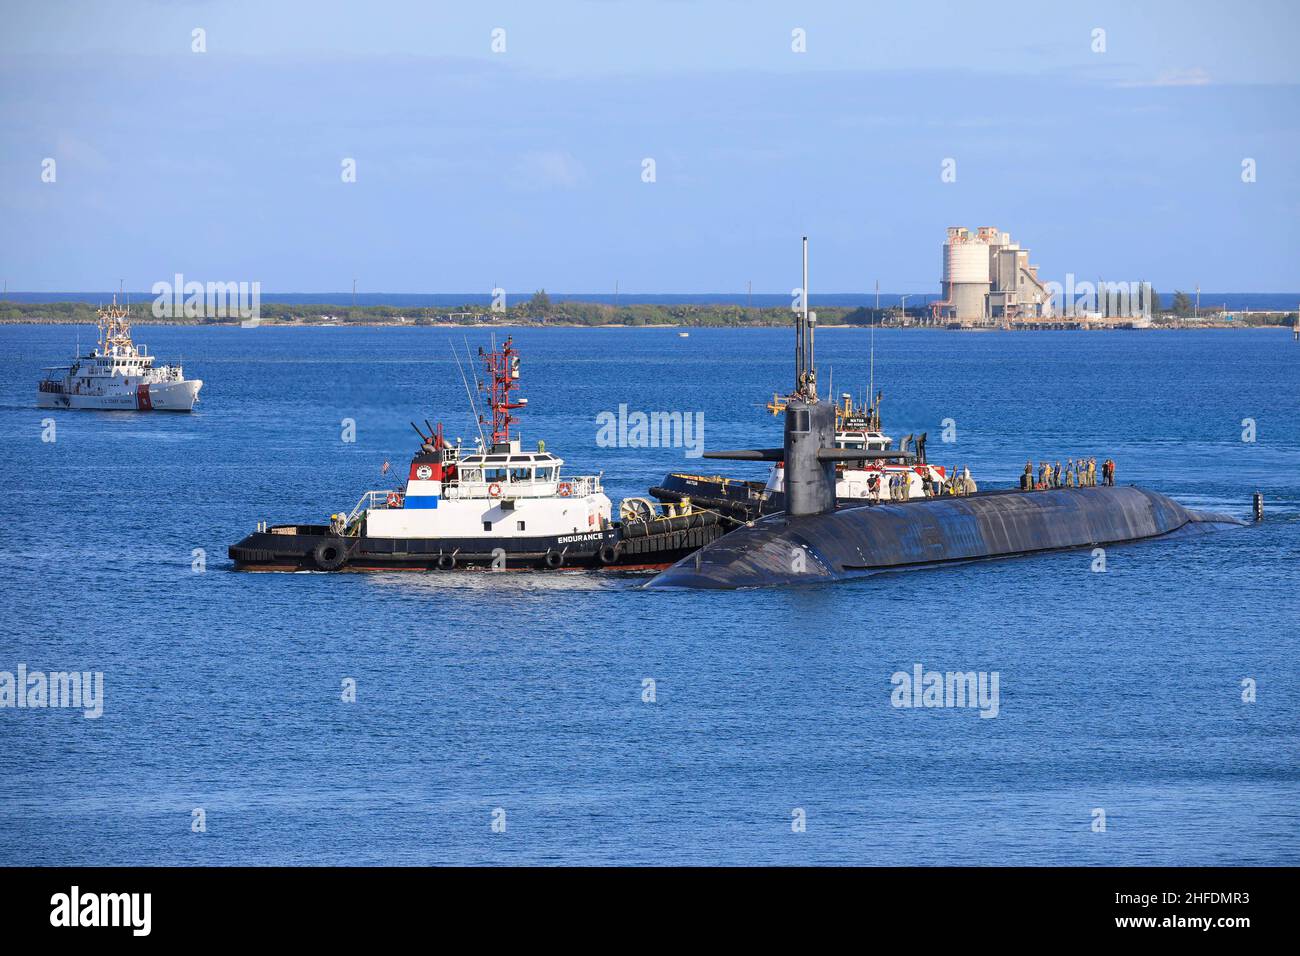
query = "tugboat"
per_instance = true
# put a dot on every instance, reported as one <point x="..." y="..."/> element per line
<point x="880" y="475"/>
<point x="500" y="507"/>
<point x="117" y="375"/>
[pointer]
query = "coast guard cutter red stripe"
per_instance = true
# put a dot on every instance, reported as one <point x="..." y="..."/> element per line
<point x="142" y="400"/>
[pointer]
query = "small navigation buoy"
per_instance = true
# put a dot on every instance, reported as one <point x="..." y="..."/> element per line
<point x="1258" y="501"/>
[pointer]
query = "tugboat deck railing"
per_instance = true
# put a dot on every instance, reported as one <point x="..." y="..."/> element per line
<point x="371" y="500"/>
<point x="575" y="487"/>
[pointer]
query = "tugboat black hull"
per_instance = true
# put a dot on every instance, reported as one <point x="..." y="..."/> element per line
<point x="854" y="542"/>
<point x="315" y="548"/>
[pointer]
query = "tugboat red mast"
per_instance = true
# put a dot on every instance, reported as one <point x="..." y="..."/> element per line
<point x="503" y="369"/>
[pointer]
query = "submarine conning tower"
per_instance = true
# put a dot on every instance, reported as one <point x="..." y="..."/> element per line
<point x="809" y="480"/>
<point x="809" y="423"/>
<point x="809" y="453"/>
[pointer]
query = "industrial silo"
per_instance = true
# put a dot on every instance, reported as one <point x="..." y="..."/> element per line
<point x="966" y="275"/>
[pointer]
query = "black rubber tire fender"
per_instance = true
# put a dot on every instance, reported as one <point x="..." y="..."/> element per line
<point x="446" y="562"/>
<point x="330" y="555"/>
<point x="609" y="553"/>
<point x="553" y="559"/>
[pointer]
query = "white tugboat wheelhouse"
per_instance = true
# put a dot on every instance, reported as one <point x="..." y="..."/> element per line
<point x="504" y="492"/>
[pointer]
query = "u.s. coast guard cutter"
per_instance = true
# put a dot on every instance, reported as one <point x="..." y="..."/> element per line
<point x="501" y="507"/>
<point x="117" y="375"/>
<point x="815" y="541"/>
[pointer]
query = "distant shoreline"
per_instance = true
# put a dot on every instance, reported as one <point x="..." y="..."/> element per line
<point x="1172" y="326"/>
<point x="543" y="312"/>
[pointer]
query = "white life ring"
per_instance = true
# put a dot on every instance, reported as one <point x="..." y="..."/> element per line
<point x="494" y="490"/>
<point x="566" y="489"/>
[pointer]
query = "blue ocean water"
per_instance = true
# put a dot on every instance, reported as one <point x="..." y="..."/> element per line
<point x="1120" y="691"/>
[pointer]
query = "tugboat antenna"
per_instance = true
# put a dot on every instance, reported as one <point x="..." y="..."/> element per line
<point x="478" y="421"/>
<point x="469" y="361"/>
<point x="478" y="387"/>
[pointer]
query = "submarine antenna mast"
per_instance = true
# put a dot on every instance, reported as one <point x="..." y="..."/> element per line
<point x="798" y="325"/>
<point x="805" y="365"/>
<point x="807" y="324"/>
<point x="871" y="385"/>
<point x="803" y="335"/>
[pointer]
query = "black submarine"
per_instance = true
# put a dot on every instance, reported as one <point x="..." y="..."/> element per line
<point x="814" y="541"/>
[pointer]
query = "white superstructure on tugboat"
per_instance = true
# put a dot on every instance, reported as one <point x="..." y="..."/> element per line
<point x="117" y="375"/>
<point x="499" y="492"/>
<point x="499" y="506"/>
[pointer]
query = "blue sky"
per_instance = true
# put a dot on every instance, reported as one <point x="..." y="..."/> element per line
<point x="524" y="168"/>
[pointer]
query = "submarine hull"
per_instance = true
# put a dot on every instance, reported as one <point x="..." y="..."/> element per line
<point x="853" y="542"/>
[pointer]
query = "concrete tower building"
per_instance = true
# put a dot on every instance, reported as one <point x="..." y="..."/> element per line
<point x="987" y="279"/>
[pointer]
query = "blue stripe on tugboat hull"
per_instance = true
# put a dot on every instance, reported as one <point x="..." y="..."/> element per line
<point x="424" y="501"/>
<point x="857" y="541"/>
